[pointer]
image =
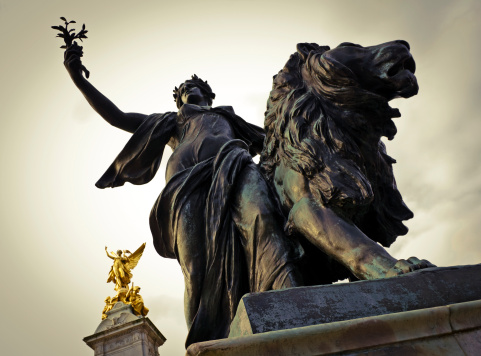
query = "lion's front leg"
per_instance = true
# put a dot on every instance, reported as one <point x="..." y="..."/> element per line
<point x="335" y="236"/>
<point x="347" y="244"/>
<point x="410" y="265"/>
<point x="341" y="240"/>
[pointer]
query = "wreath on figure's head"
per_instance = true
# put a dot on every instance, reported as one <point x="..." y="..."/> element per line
<point x="201" y="84"/>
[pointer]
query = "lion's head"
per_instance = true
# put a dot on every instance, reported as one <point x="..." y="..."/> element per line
<point x="326" y="114"/>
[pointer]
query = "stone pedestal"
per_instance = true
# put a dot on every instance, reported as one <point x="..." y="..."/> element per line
<point x="125" y="334"/>
<point x="435" y="311"/>
<point x="453" y="330"/>
<point x="298" y="307"/>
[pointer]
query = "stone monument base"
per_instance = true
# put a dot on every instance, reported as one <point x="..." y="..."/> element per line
<point x="450" y="330"/>
<point x="125" y="334"/>
<point x="435" y="311"/>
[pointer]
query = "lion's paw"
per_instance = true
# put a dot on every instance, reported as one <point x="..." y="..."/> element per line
<point x="410" y="265"/>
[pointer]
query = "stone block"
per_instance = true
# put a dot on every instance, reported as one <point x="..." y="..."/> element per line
<point x="305" y="306"/>
<point x="423" y="332"/>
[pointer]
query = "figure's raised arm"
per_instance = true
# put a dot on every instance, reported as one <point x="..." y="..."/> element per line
<point x="103" y="106"/>
<point x="108" y="254"/>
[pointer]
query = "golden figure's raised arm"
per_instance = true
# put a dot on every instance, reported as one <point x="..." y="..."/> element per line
<point x="108" y="254"/>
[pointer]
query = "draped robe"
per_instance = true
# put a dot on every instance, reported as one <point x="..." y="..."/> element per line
<point x="245" y="247"/>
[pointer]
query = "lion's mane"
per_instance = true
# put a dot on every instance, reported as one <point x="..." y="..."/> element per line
<point x="321" y="122"/>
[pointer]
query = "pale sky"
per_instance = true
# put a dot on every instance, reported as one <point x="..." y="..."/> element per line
<point x="55" y="223"/>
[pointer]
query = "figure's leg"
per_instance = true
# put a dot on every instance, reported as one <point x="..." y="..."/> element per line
<point x="270" y="254"/>
<point x="191" y="254"/>
<point x="346" y="243"/>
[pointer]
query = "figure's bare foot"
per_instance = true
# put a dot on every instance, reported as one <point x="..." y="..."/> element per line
<point x="409" y="265"/>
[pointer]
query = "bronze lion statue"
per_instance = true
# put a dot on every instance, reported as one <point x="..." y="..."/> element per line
<point x="323" y="154"/>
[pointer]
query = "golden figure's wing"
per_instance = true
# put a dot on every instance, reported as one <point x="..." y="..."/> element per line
<point x="135" y="257"/>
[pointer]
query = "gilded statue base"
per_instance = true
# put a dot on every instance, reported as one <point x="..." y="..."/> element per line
<point x="122" y="333"/>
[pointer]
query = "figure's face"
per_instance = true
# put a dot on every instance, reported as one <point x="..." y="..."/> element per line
<point x="191" y="94"/>
<point x="119" y="252"/>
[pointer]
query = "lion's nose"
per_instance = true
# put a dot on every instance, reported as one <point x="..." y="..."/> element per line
<point x="404" y="43"/>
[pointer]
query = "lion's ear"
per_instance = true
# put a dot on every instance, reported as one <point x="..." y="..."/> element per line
<point x="305" y="48"/>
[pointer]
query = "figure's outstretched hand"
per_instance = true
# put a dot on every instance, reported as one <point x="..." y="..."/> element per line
<point x="72" y="61"/>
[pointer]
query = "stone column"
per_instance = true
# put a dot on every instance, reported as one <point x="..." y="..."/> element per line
<point x="125" y="334"/>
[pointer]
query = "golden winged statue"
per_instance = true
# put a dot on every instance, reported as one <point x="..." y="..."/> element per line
<point x="124" y="262"/>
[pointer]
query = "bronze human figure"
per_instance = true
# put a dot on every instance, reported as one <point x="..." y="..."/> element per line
<point x="216" y="215"/>
<point x="326" y="114"/>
